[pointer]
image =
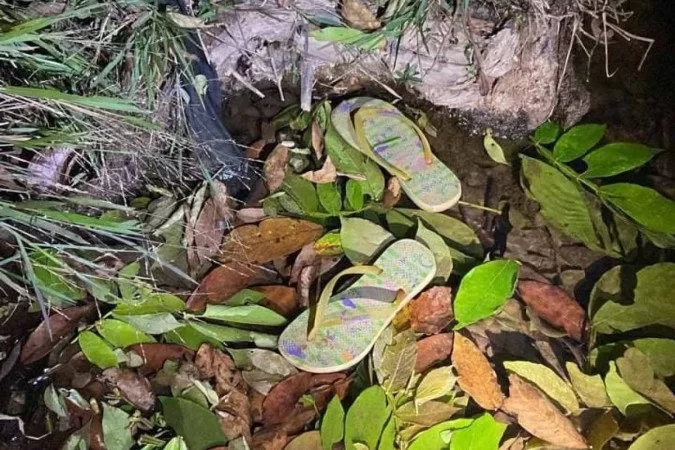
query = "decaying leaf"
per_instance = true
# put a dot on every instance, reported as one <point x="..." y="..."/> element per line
<point x="317" y="139"/>
<point x="537" y="415"/>
<point x="432" y="350"/>
<point x="251" y="215"/>
<point x="275" y="167"/>
<point x="392" y="194"/>
<point x="135" y="388"/>
<point x="208" y="232"/>
<point x="154" y="355"/>
<point x="589" y="388"/>
<point x="48" y="168"/>
<point x="427" y="414"/>
<point x="546" y="380"/>
<point x="398" y="362"/>
<point x="435" y="384"/>
<point x="555" y="306"/>
<point x="602" y="430"/>
<point x="636" y="371"/>
<point x="270" y="239"/>
<point x="280" y="299"/>
<point x="358" y="16"/>
<point x="432" y="310"/>
<point x="476" y="376"/>
<point x="221" y="283"/>
<point x="306" y="257"/>
<point x="326" y="174"/>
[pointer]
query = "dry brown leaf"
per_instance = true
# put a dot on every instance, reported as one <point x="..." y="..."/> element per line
<point x="49" y="167"/>
<point x="280" y="299"/>
<point x="39" y="343"/>
<point x="475" y="375"/>
<point x="358" y="16"/>
<point x="220" y="284"/>
<point x="208" y="231"/>
<point x="555" y="306"/>
<point x="432" y="350"/>
<point x="306" y="257"/>
<point x="270" y="439"/>
<point x="317" y="140"/>
<point x="135" y="388"/>
<point x="307" y="276"/>
<point x="309" y="440"/>
<point x="155" y="355"/>
<point x="250" y="215"/>
<point x="392" y="194"/>
<point x="432" y="310"/>
<point x="326" y="174"/>
<point x="270" y="239"/>
<point x="256" y="400"/>
<point x="274" y="168"/>
<point x="225" y="205"/>
<point x="538" y="416"/>
<point x="254" y="150"/>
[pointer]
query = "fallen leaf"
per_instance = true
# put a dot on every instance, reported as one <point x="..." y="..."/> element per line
<point x="307" y="277"/>
<point x="366" y="418"/>
<point x="427" y="414"/>
<point x="48" y="168"/>
<point x="439" y="248"/>
<point x="272" y="439"/>
<point x="274" y="168"/>
<point x="655" y="439"/>
<point x="182" y="415"/>
<point x="589" y="388"/>
<point x="636" y="371"/>
<point x="622" y="396"/>
<point x="555" y="306"/>
<point x="310" y="440"/>
<point x="493" y="149"/>
<point x="432" y="310"/>
<point x="251" y="215"/>
<point x="220" y="284"/>
<point x="333" y="424"/>
<point x="475" y="375"/>
<point x="547" y="381"/>
<point x="537" y="415"/>
<point x="61" y="323"/>
<point x="154" y="355"/>
<point x="98" y="351"/>
<point x="438" y="436"/>
<point x="435" y="384"/>
<point x="326" y="174"/>
<point x="306" y="257"/>
<point x="281" y="299"/>
<point x="362" y="239"/>
<point x="185" y="21"/>
<point x="213" y="363"/>
<point x="358" y="16"/>
<point x="602" y="430"/>
<point x="317" y="140"/>
<point x="224" y="203"/>
<point x="270" y="239"/>
<point x="398" y="362"/>
<point x="484" y="433"/>
<point x="392" y="194"/>
<point x="329" y="245"/>
<point x="432" y="350"/>
<point x="135" y="388"/>
<point x="116" y="430"/>
<point x="208" y="231"/>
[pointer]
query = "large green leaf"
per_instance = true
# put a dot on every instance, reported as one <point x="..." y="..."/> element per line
<point x="576" y="141"/>
<point x="546" y="133"/>
<point x="97" y="350"/>
<point x="659" y="438"/>
<point x="154" y="303"/>
<point x="562" y="203"/>
<point x="622" y="396"/>
<point x="190" y="337"/>
<point x="484" y="290"/>
<point x="229" y="334"/>
<point x="330" y="198"/>
<point x="615" y="158"/>
<point x="483" y="434"/>
<point x="354" y="195"/>
<point x="151" y="323"/>
<point x="636" y="371"/>
<point x="439" y="436"/>
<point x="332" y="424"/>
<point x="116" y="428"/>
<point x="249" y="314"/>
<point x="362" y="239"/>
<point x="197" y="425"/>
<point x="366" y="418"/>
<point x="302" y="192"/>
<point x="644" y="205"/>
<point x="624" y="300"/>
<point x="121" y="334"/>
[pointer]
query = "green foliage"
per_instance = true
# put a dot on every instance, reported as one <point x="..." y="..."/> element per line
<point x="182" y="415"/>
<point x="369" y="408"/>
<point x="332" y="424"/>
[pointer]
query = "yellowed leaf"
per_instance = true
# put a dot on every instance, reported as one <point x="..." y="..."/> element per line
<point x="476" y="376"/>
<point x="326" y="174"/>
<point x="358" y="16"/>
<point x="310" y="440"/>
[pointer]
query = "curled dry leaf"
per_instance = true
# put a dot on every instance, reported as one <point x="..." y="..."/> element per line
<point x="275" y="167"/>
<point x="537" y="415"/>
<point x="306" y="257"/>
<point x="280" y="299"/>
<point x="392" y="194"/>
<point x="40" y="343"/>
<point x="307" y="276"/>
<point x="154" y="355"/>
<point x="555" y="306"/>
<point x="270" y="239"/>
<point x="223" y="202"/>
<point x="317" y="139"/>
<point x="326" y="174"/>
<point x="432" y="310"/>
<point x="135" y="388"/>
<point x="208" y="231"/>
<point x="433" y="350"/>
<point x="213" y="363"/>
<point x="220" y="284"/>
<point x="358" y="16"/>
<point x="475" y="375"/>
<point x="250" y="215"/>
<point x="49" y="167"/>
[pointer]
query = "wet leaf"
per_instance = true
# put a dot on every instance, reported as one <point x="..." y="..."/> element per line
<point x="182" y="415"/>
<point x="589" y="388"/>
<point x="116" y="431"/>
<point x="309" y="440"/>
<point x="576" y="141"/>
<point x="602" y="430"/>
<point x="615" y="158"/>
<point x="537" y="415"/>
<point x="152" y="323"/>
<point x="475" y="375"/>
<point x="398" y="362"/>
<point x="554" y="305"/>
<point x="329" y="245"/>
<point x="431" y="312"/>
<point x="652" y="294"/>
<point x="274" y="168"/>
<point x="121" y="334"/>
<point x="97" y="350"/>
<point x="655" y="439"/>
<point x="439" y="436"/>
<point x="427" y="414"/>
<point x="220" y="284"/>
<point x="435" y="384"/>
<point x="484" y="290"/>
<point x="362" y="239"/>
<point x="546" y="133"/>
<point x="230" y="334"/>
<point x="326" y="174"/>
<point x="270" y="239"/>
<point x="484" y="433"/>
<point x="152" y="304"/>
<point x="493" y="149"/>
<point x="622" y="396"/>
<point x="439" y="248"/>
<point x="330" y="198"/>
<point x="332" y="424"/>
<point x="432" y="350"/>
<point x="249" y="314"/>
<point x="547" y="381"/>
<point x="638" y="374"/>
<point x="370" y="407"/>
<point x="354" y="195"/>
<point x="136" y="389"/>
<point x="644" y="205"/>
<point x="40" y="344"/>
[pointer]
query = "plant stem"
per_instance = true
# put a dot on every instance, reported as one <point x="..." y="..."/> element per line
<point x="481" y="207"/>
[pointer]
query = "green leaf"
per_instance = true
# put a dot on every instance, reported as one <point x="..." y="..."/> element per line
<point x="602" y="430"/>
<point x="398" y="362"/>
<point x="661" y="354"/>
<point x="439" y="436"/>
<point x="121" y="334"/>
<point x="366" y="418"/>
<point x="229" y="334"/>
<point x="125" y="277"/>
<point x="97" y="350"/>
<point x="151" y="323"/>
<point x="615" y="158"/>
<point x="435" y="384"/>
<point x="658" y="438"/>
<point x="152" y="304"/>
<point x="589" y="388"/>
<point x="354" y="194"/>
<point x="484" y="290"/>
<point x="622" y="396"/>
<point x="638" y="374"/>
<point x="483" y="434"/>
<point x="439" y="248"/>
<point x="329" y="244"/>
<point x="428" y="414"/>
<point x="250" y="314"/>
<point x="546" y="380"/>
<point x="576" y="141"/>
<point x="245" y="297"/>
<point x="116" y="428"/>
<point x="624" y="300"/>
<point x="561" y="200"/>
<point x="388" y="438"/>
<point x="644" y="205"/>
<point x="92" y="101"/>
<point x="347" y="160"/>
<point x="54" y="279"/>
<point x="176" y="443"/>
<point x="332" y="424"/>
<point x="546" y="133"/>
<point x="55" y="402"/>
<point x="183" y="416"/>
<point x="330" y="198"/>
<point x="362" y="239"/>
<point x="493" y="149"/>
<point x="189" y="337"/>
<point x="302" y="192"/>
<point x="373" y="185"/>
<point x="349" y="36"/>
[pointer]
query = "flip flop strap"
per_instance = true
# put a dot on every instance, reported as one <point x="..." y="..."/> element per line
<point x="327" y="292"/>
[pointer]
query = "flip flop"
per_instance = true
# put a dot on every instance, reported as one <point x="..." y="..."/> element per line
<point x="381" y="132"/>
<point x="346" y="325"/>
